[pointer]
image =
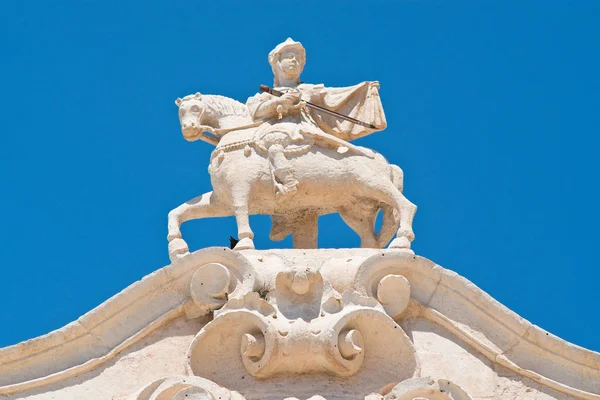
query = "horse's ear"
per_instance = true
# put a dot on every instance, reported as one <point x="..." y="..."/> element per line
<point x="198" y="95"/>
<point x="178" y="101"/>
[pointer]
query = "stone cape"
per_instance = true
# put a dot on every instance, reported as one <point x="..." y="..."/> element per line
<point x="315" y="323"/>
<point x="360" y="101"/>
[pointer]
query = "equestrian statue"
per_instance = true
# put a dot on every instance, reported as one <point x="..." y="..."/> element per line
<point x="287" y="153"/>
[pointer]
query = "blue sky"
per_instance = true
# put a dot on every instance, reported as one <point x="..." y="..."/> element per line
<point x="492" y="111"/>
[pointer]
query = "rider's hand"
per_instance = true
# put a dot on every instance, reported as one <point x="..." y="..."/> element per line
<point x="318" y="96"/>
<point x="291" y="97"/>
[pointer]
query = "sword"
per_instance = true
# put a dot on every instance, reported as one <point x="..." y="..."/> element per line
<point x="343" y="145"/>
<point x="265" y="88"/>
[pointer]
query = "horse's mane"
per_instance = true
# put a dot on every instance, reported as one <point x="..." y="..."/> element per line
<point x="222" y="105"/>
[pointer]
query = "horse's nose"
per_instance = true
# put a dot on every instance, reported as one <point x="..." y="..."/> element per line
<point x="190" y="125"/>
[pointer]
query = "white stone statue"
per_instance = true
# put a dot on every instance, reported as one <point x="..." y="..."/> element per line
<point x="316" y="324"/>
<point x="276" y="156"/>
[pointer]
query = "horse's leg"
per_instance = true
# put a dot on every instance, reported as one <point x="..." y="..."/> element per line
<point x="361" y="219"/>
<point x="239" y="199"/>
<point x="305" y="231"/>
<point x="203" y="206"/>
<point x="388" y="193"/>
<point x="406" y="210"/>
<point x="390" y="221"/>
<point x="405" y="234"/>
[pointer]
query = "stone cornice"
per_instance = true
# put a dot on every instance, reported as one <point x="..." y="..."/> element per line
<point x="437" y="294"/>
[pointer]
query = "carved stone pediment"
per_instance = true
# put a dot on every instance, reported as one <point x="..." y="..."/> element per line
<point x="193" y="388"/>
<point x="298" y="323"/>
<point x="333" y="324"/>
<point x="427" y="389"/>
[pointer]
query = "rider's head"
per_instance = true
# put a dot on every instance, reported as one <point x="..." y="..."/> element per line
<point x="287" y="61"/>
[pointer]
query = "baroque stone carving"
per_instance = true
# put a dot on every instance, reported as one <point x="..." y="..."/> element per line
<point x="459" y="334"/>
<point x="276" y="156"/>
<point x="303" y="326"/>
<point x="214" y="283"/>
<point x="294" y="321"/>
<point x="427" y="389"/>
<point x="185" y="388"/>
<point x="195" y="388"/>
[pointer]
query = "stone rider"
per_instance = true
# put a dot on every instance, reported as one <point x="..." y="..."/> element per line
<point x="289" y="128"/>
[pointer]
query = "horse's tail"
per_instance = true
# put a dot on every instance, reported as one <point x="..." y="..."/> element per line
<point x="391" y="216"/>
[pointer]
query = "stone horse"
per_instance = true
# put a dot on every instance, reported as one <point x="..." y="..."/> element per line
<point x="356" y="186"/>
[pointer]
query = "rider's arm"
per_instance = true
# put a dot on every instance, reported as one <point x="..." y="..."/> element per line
<point x="266" y="109"/>
<point x="264" y="106"/>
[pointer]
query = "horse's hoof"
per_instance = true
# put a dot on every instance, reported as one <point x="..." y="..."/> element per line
<point x="177" y="249"/>
<point x="173" y="236"/>
<point x="245" y="244"/>
<point x="407" y="233"/>
<point x="401" y="243"/>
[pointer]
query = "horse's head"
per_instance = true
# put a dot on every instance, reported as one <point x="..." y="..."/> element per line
<point x="201" y="113"/>
<point x="193" y="116"/>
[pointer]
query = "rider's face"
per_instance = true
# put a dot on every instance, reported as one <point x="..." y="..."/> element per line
<point x="291" y="62"/>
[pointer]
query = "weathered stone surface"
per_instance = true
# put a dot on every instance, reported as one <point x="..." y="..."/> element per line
<point x="221" y="324"/>
<point x="309" y="292"/>
<point x="442" y="355"/>
<point x="162" y="353"/>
